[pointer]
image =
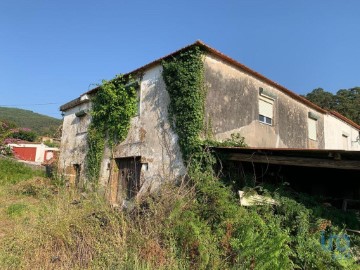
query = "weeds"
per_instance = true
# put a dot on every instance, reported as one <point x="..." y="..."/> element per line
<point x="12" y="172"/>
<point x="196" y="225"/>
<point x="16" y="209"/>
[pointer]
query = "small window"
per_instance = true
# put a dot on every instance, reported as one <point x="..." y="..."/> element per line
<point x="81" y="113"/>
<point x="345" y="141"/>
<point x="266" y="111"/>
<point x="312" y="128"/>
<point x="82" y="124"/>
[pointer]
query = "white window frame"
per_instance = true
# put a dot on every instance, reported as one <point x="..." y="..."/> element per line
<point x="265" y="118"/>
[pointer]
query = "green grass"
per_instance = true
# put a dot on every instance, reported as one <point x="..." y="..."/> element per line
<point x="12" y="172"/>
<point x="16" y="209"/>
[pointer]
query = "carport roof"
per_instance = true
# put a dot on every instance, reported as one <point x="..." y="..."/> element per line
<point x="321" y="158"/>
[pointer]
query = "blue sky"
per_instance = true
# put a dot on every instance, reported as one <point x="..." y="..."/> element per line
<point x="52" y="51"/>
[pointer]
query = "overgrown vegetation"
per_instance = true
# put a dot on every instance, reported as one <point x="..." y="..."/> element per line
<point x="214" y="230"/>
<point x="183" y="76"/>
<point x="43" y="226"/>
<point x="12" y="172"/>
<point x="112" y="109"/>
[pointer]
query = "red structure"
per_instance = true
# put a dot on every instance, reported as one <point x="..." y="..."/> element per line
<point x="25" y="153"/>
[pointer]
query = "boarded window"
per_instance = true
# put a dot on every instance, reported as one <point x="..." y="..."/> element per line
<point x="265" y="111"/>
<point x="129" y="177"/>
<point x="82" y="124"/>
<point x="312" y="128"/>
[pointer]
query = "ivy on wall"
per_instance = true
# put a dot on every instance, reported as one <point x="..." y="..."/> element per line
<point x="113" y="106"/>
<point x="184" y="79"/>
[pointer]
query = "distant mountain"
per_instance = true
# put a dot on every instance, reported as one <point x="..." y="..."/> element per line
<point x="41" y="124"/>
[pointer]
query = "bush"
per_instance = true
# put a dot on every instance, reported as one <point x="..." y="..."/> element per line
<point x="23" y="134"/>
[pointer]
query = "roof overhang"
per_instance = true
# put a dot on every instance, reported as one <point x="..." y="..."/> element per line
<point x="318" y="158"/>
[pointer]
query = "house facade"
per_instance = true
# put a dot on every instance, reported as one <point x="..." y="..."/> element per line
<point x="341" y="133"/>
<point x="238" y="100"/>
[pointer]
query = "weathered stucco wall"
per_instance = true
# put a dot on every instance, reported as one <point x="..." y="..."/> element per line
<point x="150" y="136"/>
<point x="73" y="142"/>
<point x="340" y="135"/>
<point x="232" y="106"/>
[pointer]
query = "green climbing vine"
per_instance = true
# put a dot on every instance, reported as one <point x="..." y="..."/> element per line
<point x="113" y="106"/>
<point x="183" y="76"/>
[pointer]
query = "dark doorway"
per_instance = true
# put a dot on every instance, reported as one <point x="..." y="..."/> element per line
<point x="129" y="177"/>
<point x="77" y="169"/>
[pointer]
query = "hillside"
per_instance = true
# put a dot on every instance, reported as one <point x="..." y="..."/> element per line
<point x="41" y="124"/>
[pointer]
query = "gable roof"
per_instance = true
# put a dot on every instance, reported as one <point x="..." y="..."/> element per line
<point x="227" y="59"/>
<point x="346" y="120"/>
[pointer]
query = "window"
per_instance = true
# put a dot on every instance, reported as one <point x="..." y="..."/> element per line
<point x="82" y="124"/>
<point x="312" y="125"/>
<point x="82" y="121"/>
<point x="312" y="128"/>
<point x="266" y="111"/>
<point x="345" y="141"/>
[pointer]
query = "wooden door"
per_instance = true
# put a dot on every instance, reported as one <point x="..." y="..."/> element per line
<point x="129" y="177"/>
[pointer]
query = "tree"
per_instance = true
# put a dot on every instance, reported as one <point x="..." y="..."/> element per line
<point x="345" y="101"/>
<point x="322" y="98"/>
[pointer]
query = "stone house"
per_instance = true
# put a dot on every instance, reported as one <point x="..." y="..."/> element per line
<point x="238" y="100"/>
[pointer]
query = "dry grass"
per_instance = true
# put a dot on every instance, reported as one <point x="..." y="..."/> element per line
<point x="49" y="227"/>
